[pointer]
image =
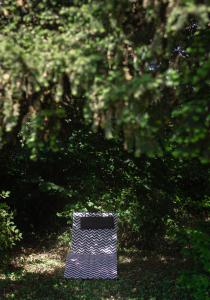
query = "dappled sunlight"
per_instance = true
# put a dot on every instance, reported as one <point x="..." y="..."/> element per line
<point x="39" y="275"/>
<point x="43" y="262"/>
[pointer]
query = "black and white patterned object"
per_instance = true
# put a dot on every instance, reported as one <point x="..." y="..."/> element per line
<point x="94" y="246"/>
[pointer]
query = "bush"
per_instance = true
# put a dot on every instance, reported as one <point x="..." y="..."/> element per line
<point x="197" y="251"/>
<point x="9" y="234"/>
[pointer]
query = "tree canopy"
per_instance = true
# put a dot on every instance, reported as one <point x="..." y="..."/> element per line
<point x="138" y="69"/>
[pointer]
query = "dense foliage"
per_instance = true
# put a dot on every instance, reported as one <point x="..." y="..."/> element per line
<point x="134" y="71"/>
<point x="137" y="68"/>
<point x="9" y="234"/>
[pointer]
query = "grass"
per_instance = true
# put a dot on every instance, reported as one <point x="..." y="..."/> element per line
<point x="37" y="273"/>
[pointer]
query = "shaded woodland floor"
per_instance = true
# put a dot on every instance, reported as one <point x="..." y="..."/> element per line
<point x="36" y="272"/>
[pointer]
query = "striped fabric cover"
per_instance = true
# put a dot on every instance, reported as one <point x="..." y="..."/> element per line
<point x="94" y="251"/>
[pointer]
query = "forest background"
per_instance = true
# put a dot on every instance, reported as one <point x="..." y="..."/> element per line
<point x="104" y="106"/>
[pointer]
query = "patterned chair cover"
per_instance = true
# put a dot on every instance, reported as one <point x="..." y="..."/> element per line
<point x="94" y="246"/>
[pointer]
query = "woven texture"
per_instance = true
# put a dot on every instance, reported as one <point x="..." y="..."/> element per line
<point x="94" y="252"/>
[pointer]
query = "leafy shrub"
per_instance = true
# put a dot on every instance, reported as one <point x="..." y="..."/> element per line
<point x="197" y="251"/>
<point x="139" y="224"/>
<point x="123" y="202"/>
<point x="9" y="234"/>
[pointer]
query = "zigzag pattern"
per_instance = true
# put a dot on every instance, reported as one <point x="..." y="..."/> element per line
<point x="94" y="252"/>
<point x="94" y="241"/>
<point x="88" y="266"/>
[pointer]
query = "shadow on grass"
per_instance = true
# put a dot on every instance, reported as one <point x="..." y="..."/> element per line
<point x="141" y="276"/>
